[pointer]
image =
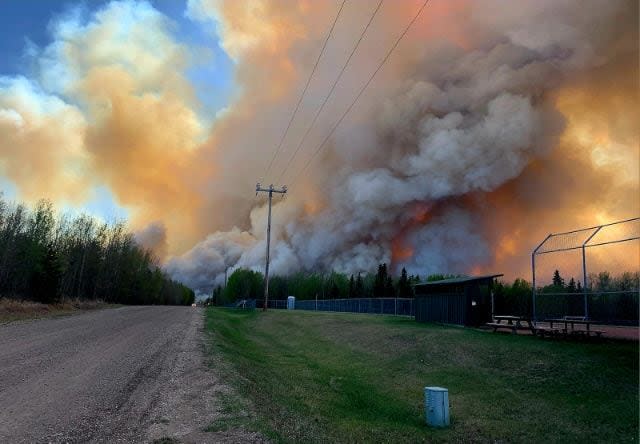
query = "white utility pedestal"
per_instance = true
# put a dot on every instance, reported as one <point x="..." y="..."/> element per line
<point x="436" y="406"/>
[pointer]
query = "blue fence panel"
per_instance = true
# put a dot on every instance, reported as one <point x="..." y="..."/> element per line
<point x="389" y="306"/>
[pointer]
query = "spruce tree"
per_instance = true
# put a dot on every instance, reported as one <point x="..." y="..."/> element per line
<point x="352" y="288"/>
<point x="557" y="279"/>
<point x="359" y="290"/>
<point x="571" y="287"/>
<point x="380" y="281"/>
<point x="404" y="285"/>
<point x="388" y="288"/>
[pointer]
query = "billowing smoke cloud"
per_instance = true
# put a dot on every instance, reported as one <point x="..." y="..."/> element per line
<point x="492" y="124"/>
<point x="206" y="262"/>
<point x="41" y="140"/>
<point x="460" y="120"/>
<point x="153" y="237"/>
<point x="108" y="104"/>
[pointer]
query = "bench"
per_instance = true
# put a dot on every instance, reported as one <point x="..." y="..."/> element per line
<point x="513" y="323"/>
<point x="550" y="331"/>
<point x="576" y="321"/>
<point x="497" y="325"/>
<point x="588" y="333"/>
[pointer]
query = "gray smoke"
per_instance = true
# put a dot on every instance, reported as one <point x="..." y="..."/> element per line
<point x="456" y="122"/>
<point x="153" y="237"/>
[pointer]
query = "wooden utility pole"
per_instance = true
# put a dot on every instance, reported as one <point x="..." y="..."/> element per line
<point x="269" y="190"/>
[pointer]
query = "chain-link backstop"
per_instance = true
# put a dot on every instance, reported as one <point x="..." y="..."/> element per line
<point x="592" y="272"/>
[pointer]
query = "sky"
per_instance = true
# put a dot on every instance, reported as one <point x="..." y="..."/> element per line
<point x="441" y="137"/>
<point x="26" y="25"/>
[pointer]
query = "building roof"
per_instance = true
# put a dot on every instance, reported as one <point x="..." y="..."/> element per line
<point x="458" y="280"/>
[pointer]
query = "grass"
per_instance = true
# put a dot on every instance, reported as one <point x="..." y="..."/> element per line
<point x="18" y="310"/>
<point x="335" y="377"/>
<point x="233" y="414"/>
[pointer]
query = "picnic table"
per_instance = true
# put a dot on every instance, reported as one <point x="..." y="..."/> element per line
<point x="513" y="323"/>
<point x="573" y="321"/>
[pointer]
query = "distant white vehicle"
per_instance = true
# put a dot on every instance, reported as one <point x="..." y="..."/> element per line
<point x="194" y="305"/>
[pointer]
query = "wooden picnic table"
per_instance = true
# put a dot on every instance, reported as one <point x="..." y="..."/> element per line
<point x="514" y="323"/>
<point x="573" y="322"/>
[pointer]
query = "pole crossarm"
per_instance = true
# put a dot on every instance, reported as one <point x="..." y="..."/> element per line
<point x="271" y="189"/>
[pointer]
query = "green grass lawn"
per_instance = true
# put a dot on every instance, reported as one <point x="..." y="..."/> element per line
<point x="335" y="377"/>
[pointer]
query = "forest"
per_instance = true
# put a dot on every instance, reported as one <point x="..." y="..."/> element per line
<point x="49" y="258"/>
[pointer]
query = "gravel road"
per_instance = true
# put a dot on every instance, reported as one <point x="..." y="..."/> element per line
<point x="131" y="374"/>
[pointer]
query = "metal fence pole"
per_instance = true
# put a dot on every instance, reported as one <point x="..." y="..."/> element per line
<point x="493" y="309"/>
<point x="584" y="273"/>
<point x="584" y="284"/>
<point x="533" y="282"/>
<point x="533" y="285"/>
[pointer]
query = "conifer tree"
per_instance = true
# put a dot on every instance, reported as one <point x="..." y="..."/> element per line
<point x="557" y="280"/>
<point x="352" y="288"/>
<point x="404" y="285"/>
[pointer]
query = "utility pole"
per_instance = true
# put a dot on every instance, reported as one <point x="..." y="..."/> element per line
<point x="269" y="190"/>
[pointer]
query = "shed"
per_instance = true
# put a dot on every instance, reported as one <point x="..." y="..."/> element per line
<point x="461" y="301"/>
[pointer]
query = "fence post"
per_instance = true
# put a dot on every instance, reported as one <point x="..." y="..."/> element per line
<point x="533" y="271"/>
<point x="584" y="272"/>
<point x="584" y="283"/>
<point x="533" y="285"/>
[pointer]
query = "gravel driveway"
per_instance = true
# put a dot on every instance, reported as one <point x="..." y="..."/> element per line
<point x="131" y="374"/>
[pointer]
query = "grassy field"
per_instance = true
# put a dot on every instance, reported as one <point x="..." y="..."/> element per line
<point x="334" y="377"/>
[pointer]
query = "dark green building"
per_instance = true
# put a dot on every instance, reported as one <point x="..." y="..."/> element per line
<point x="461" y="301"/>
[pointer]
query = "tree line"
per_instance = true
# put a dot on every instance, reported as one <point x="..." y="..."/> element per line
<point x="48" y="258"/>
<point x="510" y="296"/>
<point x="600" y="282"/>
<point x="611" y="297"/>
<point x="249" y="284"/>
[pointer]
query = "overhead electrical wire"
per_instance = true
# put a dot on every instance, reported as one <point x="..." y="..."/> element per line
<point x="304" y="91"/>
<point x="384" y="60"/>
<point x="333" y="87"/>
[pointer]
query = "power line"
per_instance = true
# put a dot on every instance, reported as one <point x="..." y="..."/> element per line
<point x="333" y="87"/>
<point x="319" y="148"/>
<point x="304" y="91"/>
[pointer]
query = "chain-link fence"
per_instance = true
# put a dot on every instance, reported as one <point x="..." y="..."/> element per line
<point x="592" y="272"/>
<point x="390" y="306"/>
